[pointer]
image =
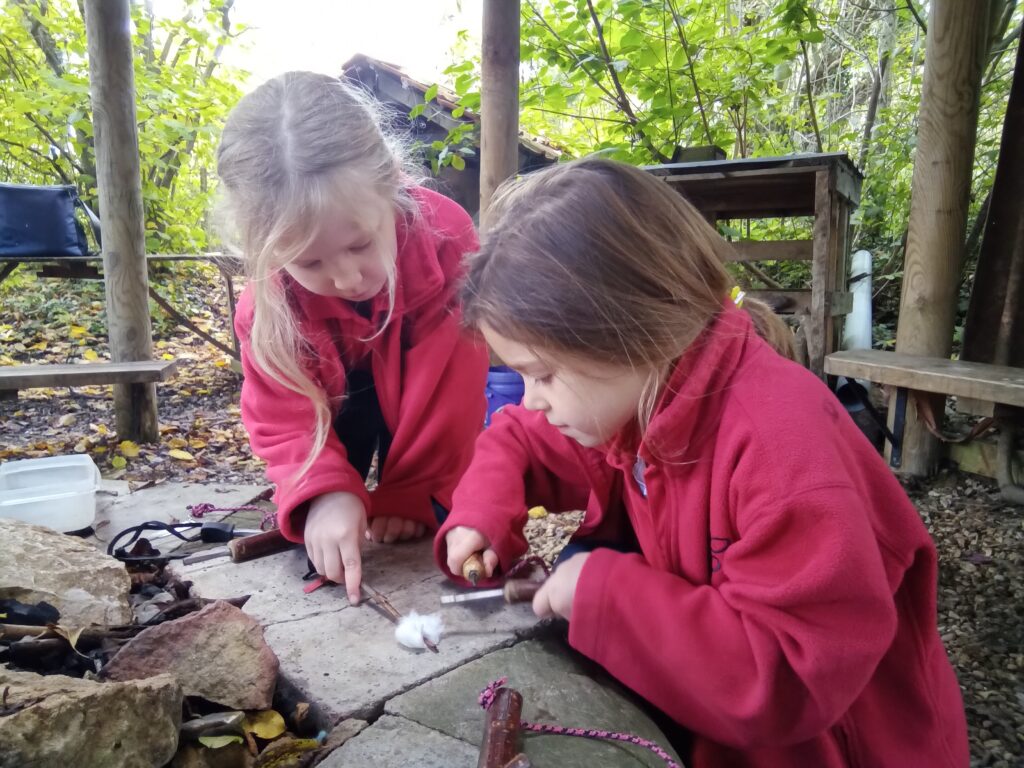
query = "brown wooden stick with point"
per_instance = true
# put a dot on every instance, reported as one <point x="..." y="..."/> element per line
<point x="501" y="729"/>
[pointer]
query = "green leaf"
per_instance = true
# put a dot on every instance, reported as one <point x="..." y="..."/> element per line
<point x="416" y="111"/>
<point x="431" y="93"/>
<point x="458" y="163"/>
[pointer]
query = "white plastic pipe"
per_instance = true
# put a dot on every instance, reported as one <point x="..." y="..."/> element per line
<point x="857" y="328"/>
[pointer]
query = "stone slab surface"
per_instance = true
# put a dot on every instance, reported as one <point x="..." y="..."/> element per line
<point x="117" y="510"/>
<point x="394" y="742"/>
<point x="558" y="687"/>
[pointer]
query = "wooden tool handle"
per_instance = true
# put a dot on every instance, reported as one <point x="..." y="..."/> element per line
<point x="257" y="545"/>
<point x="521" y="590"/>
<point x="473" y="569"/>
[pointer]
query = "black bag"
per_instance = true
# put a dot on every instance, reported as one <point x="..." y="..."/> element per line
<point x="40" y="222"/>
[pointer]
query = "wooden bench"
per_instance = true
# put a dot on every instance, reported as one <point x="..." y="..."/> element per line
<point x="16" y="377"/>
<point x="981" y="389"/>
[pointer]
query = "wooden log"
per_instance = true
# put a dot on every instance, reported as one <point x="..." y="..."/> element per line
<point x="499" y="98"/>
<point x="954" y="51"/>
<point x="501" y="729"/>
<point x="112" y="85"/>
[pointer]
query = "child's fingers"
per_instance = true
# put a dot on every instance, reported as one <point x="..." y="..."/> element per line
<point x="330" y="565"/>
<point x="542" y="602"/>
<point x="376" y="529"/>
<point x="490" y="562"/>
<point x="353" y="568"/>
<point x="393" y="529"/>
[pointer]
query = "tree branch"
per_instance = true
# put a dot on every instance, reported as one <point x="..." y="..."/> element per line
<point x="624" y="103"/>
<point x="693" y="74"/>
<point x="56" y="145"/>
<point x="917" y="16"/>
<point x="56" y="166"/>
<point x="810" y="97"/>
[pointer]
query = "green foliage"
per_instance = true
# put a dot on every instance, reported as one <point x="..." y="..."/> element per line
<point x="183" y="96"/>
<point x="637" y="80"/>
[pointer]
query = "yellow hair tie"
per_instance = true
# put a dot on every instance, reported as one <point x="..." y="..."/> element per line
<point x="737" y="295"/>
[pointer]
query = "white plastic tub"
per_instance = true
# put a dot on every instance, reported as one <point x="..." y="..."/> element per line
<point x="57" y="491"/>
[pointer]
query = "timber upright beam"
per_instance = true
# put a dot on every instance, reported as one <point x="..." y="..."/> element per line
<point x="954" y="52"/>
<point x="499" y="99"/>
<point x="112" y="86"/>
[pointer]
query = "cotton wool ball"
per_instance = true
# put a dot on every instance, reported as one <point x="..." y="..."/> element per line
<point x="413" y="628"/>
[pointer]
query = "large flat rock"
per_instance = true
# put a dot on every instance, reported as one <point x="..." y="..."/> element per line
<point x="394" y="742"/>
<point x="558" y="687"/>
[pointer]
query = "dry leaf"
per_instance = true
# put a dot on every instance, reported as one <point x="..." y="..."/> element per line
<point x="177" y="442"/>
<point x="216" y="742"/>
<point x="118" y="462"/>
<point x="67" y="420"/>
<point x="267" y="724"/>
<point x="537" y="512"/>
<point x="180" y="455"/>
<point x="128" y="449"/>
<point x="78" y="331"/>
<point x="90" y="354"/>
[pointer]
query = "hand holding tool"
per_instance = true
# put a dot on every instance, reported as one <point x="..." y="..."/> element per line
<point x="514" y="591"/>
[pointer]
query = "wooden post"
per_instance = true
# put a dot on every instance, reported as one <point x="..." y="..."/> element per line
<point x="499" y="98"/>
<point x="112" y="86"/>
<point x="954" y="51"/>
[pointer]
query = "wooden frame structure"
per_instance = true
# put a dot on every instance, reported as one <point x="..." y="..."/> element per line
<point x="825" y="186"/>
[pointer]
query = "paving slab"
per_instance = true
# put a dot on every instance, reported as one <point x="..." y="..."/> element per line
<point x="394" y="742"/>
<point x="117" y="510"/>
<point x="345" y="659"/>
<point x="558" y="685"/>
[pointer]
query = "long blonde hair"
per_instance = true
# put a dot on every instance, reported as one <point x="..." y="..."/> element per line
<point x="300" y="146"/>
<point x="601" y="260"/>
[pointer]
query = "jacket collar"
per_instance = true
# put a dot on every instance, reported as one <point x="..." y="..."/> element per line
<point x="690" y="405"/>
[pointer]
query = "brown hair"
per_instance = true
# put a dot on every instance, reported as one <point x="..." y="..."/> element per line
<point x="602" y="260"/>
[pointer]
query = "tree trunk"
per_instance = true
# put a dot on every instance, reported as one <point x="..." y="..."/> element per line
<point x="499" y="99"/>
<point x="112" y="85"/>
<point x="954" y="53"/>
<point x="994" y="329"/>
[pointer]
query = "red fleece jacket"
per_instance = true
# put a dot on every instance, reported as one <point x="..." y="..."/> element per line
<point x="783" y="606"/>
<point x="429" y="378"/>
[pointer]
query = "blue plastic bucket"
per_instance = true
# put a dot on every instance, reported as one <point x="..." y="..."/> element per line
<point x="504" y="387"/>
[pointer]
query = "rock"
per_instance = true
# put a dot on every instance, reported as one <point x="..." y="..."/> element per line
<point x="195" y="756"/>
<point x="86" y="586"/>
<point x="86" y="724"/>
<point x="217" y="653"/>
<point x="558" y="686"/>
<point x="394" y="742"/>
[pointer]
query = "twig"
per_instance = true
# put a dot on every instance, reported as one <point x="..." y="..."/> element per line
<point x="810" y="97"/>
<point x="693" y="74"/>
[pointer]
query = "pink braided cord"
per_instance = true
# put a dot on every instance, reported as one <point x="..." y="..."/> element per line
<point x="486" y="698"/>
<point x="204" y="508"/>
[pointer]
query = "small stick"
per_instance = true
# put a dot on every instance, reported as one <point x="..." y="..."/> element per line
<point x="384" y="607"/>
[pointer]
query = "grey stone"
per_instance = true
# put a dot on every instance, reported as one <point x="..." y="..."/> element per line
<point x="393" y="742"/>
<point x="558" y="687"/>
<point x="86" y="724"/>
<point x="86" y="586"/>
<point x="346" y="658"/>
<point x="218" y="653"/>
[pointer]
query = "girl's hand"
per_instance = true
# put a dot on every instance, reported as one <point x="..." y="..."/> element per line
<point x="463" y="542"/>
<point x="556" y="596"/>
<point x="335" y="528"/>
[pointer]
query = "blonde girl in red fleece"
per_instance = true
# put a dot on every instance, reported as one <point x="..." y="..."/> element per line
<point x="349" y="322"/>
<point x="779" y="604"/>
